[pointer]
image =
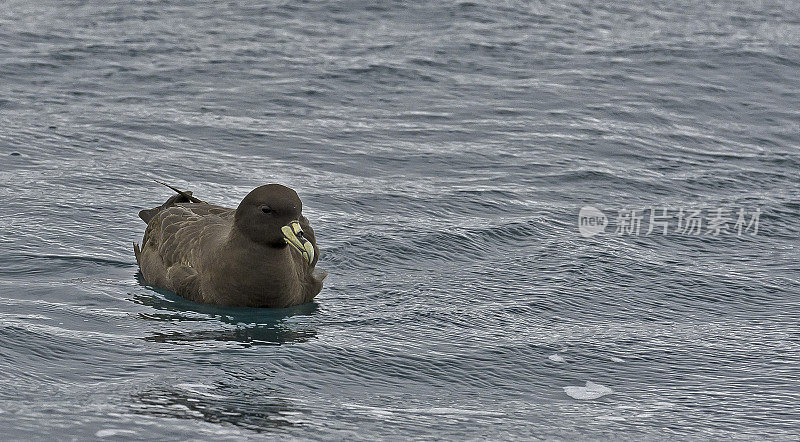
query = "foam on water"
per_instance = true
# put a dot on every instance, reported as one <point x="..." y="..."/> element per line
<point x="590" y="391"/>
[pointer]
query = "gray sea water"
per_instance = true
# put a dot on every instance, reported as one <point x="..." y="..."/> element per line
<point x="443" y="151"/>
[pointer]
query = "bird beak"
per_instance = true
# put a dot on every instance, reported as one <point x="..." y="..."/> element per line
<point x="293" y="235"/>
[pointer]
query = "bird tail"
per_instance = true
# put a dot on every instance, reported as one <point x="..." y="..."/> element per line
<point x="181" y="197"/>
<point x="187" y="195"/>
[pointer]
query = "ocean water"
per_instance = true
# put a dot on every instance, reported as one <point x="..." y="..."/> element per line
<point x="443" y="152"/>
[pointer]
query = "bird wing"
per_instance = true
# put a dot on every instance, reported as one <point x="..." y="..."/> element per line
<point x="180" y="232"/>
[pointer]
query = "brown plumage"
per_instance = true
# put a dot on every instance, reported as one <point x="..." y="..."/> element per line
<point x="261" y="254"/>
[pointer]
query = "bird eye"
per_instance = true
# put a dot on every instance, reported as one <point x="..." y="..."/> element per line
<point x="266" y="209"/>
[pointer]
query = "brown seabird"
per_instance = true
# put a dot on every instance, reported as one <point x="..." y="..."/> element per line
<point x="261" y="254"/>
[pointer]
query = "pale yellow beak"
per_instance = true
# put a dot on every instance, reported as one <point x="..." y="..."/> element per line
<point x="293" y="235"/>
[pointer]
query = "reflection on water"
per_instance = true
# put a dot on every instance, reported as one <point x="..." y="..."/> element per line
<point x="215" y="404"/>
<point x="252" y="326"/>
<point x="247" y="336"/>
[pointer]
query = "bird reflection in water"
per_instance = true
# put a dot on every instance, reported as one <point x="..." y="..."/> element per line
<point x="252" y="326"/>
<point x="213" y="404"/>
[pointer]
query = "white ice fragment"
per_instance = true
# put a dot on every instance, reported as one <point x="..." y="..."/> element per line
<point x="616" y="359"/>
<point x="556" y="358"/>
<point x="590" y="391"/>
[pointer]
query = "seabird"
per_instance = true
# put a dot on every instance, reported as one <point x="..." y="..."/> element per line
<point x="261" y="254"/>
